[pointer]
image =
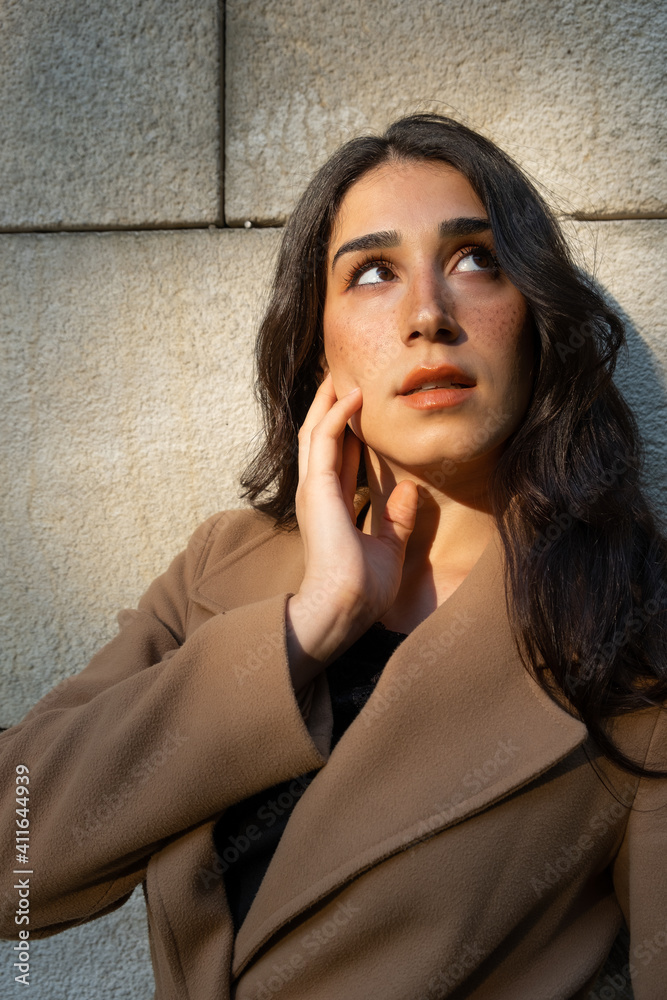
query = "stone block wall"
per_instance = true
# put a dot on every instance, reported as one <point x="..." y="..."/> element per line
<point x="137" y="140"/>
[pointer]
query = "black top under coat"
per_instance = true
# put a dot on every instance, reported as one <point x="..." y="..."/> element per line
<point x="247" y="834"/>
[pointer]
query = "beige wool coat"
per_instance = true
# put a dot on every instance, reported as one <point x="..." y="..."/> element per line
<point x="462" y="840"/>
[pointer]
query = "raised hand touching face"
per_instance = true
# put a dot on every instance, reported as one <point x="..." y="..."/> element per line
<point x="350" y="578"/>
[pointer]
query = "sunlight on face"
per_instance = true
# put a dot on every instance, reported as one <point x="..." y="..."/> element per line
<point x="420" y="316"/>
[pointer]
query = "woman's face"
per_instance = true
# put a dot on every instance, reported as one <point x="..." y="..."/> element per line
<point x="419" y="316"/>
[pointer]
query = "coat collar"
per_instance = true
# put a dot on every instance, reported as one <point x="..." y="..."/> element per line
<point x="454" y="724"/>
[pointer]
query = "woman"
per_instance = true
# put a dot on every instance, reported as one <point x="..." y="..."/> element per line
<point x="416" y="748"/>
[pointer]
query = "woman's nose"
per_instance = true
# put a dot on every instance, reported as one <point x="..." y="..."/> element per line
<point x="429" y="309"/>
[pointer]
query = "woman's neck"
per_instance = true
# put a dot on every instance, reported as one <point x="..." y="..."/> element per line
<point x="453" y="527"/>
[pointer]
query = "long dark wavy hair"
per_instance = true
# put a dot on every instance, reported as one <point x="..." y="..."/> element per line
<point x="586" y="562"/>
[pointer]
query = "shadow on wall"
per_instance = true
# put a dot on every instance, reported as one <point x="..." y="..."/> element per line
<point x="642" y="383"/>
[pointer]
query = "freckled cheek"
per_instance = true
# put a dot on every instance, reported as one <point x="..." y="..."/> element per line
<point x="357" y="353"/>
<point x="495" y="323"/>
<point x="501" y="333"/>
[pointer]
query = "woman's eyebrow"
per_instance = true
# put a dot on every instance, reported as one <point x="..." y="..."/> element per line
<point x="384" y="240"/>
<point x="463" y="226"/>
<point x="373" y="241"/>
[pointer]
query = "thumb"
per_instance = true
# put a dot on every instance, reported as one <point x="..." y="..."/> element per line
<point x="399" y="515"/>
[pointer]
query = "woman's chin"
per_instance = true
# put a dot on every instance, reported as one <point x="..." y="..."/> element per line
<point x="457" y="469"/>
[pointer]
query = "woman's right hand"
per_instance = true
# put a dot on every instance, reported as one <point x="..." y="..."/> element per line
<point x="350" y="578"/>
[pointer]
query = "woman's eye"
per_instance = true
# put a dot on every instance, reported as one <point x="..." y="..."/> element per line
<point x="477" y="260"/>
<point x="375" y="275"/>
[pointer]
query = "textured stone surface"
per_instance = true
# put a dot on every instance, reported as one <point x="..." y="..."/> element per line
<point x="629" y="261"/>
<point x="108" y="959"/>
<point x="126" y="367"/>
<point x="110" y="113"/>
<point x="573" y="90"/>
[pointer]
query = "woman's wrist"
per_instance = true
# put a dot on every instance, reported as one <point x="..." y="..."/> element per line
<point x="316" y="636"/>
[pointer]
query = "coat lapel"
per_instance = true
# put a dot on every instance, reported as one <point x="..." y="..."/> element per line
<point x="455" y="724"/>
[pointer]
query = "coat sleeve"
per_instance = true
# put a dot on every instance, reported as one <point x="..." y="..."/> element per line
<point x="158" y="734"/>
<point x="640" y="875"/>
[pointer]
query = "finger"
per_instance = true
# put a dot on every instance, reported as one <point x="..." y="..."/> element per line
<point x="350" y="469"/>
<point x="326" y="437"/>
<point x="399" y="515"/>
<point x="324" y="399"/>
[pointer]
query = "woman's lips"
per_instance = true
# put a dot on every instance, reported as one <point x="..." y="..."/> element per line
<point x="437" y="399"/>
<point x="436" y="388"/>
